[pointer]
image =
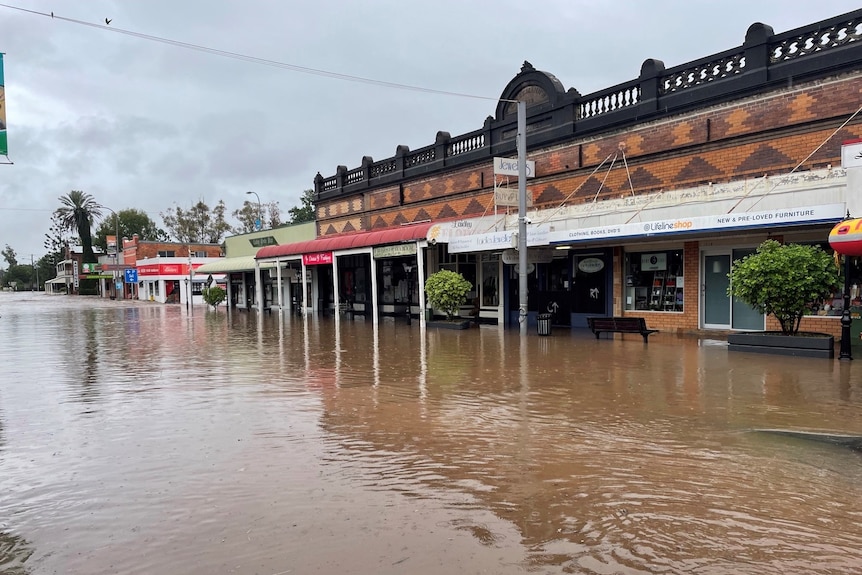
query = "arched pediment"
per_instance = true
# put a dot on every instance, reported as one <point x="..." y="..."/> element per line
<point x="538" y="89"/>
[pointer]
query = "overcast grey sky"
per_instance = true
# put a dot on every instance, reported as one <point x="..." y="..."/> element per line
<point x="142" y="124"/>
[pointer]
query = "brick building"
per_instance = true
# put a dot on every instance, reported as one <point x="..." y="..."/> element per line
<point x="166" y="269"/>
<point x="644" y="193"/>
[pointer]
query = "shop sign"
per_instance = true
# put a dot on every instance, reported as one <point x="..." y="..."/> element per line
<point x="263" y="241"/>
<point x="510" y="197"/>
<point x="828" y="213"/>
<point x="534" y="256"/>
<point x="653" y="262"/>
<point x="536" y="236"/>
<point x="165" y="269"/>
<point x="394" y="251"/>
<point x="316" y="259"/>
<point x="851" y="154"/>
<point x="443" y="232"/>
<point x="510" y="167"/>
<point x="591" y="265"/>
<point x="90" y="268"/>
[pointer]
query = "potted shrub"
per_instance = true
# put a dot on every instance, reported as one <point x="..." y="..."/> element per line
<point x="214" y="296"/>
<point x="787" y="282"/>
<point x="447" y="291"/>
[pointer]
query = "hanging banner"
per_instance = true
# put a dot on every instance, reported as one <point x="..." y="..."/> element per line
<point x="4" y="148"/>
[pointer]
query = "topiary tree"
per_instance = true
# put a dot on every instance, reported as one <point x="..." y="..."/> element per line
<point x="785" y="281"/>
<point x="214" y="296"/>
<point x="447" y="291"/>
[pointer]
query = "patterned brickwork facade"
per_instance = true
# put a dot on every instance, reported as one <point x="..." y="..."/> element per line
<point x="763" y="135"/>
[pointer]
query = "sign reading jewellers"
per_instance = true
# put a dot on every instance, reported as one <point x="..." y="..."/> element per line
<point x="829" y="213"/>
<point x="394" y="251"/>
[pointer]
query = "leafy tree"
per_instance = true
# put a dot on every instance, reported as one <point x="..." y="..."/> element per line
<point x="57" y="239"/>
<point x="784" y="280"/>
<point x="447" y="291"/>
<point x="198" y="224"/>
<point x="214" y="296"/>
<point x="273" y="217"/>
<point x="47" y="267"/>
<point x="9" y="255"/>
<point x="247" y="215"/>
<point x="19" y="276"/>
<point x="131" y="221"/>
<point x="219" y="227"/>
<point x="304" y="212"/>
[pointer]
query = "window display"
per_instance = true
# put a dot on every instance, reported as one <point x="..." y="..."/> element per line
<point x="654" y="281"/>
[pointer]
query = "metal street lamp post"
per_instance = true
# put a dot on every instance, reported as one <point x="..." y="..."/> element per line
<point x="188" y="293"/>
<point x="259" y="223"/>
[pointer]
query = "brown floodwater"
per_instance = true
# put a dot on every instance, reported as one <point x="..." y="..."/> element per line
<point x="137" y="438"/>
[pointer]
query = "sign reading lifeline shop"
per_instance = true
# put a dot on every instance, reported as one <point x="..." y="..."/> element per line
<point x="732" y="221"/>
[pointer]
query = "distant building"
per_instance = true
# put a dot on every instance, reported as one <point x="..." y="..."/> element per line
<point x="165" y="270"/>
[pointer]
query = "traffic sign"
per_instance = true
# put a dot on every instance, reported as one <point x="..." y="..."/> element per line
<point x="131" y="276"/>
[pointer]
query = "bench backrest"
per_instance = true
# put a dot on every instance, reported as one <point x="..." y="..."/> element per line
<point x="617" y="323"/>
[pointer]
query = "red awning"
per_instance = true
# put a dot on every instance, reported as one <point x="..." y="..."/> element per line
<point x="348" y="241"/>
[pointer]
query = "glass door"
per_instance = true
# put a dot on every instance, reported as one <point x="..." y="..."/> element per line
<point x="716" y="304"/>
<point x="743" y="316"/>
<point x="719" y="310"/>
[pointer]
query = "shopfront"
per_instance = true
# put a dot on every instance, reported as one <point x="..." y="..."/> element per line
<point x="372" y="273"/>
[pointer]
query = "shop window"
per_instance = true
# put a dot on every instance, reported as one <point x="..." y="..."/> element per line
<point x="399" y="285"/>
<point x="654" y="281"/>
<point x="490" y="293"/>
<point x="166" y="253"/>
<point x="835" y="305"/>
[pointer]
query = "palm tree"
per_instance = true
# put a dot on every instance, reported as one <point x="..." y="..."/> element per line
<point x="76" y="214"/>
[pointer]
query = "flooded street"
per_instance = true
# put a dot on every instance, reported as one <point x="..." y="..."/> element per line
<point x="137" y="438"/>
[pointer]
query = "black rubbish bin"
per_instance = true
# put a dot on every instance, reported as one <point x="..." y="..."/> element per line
<point x="544" y="324"/>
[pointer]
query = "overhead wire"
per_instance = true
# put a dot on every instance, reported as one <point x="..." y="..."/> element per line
<point x="254" y="59"/>
<point x="799" y="165"/>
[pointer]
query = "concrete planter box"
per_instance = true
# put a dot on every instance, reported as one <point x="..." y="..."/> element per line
<point x="802" y="345"/>
<point x="455" y="324"/>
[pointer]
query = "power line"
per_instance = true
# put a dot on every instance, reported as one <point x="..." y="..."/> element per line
<point x="253" y="59"/>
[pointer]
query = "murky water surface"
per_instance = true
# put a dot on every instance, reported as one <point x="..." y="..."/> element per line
<point x="135" y="438"/>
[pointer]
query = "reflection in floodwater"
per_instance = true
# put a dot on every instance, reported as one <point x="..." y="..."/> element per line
<point x="14" y="553"/>
<point x="224" y="442"/>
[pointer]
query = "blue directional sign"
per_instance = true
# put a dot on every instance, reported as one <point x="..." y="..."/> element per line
<point x="131" y="276"/>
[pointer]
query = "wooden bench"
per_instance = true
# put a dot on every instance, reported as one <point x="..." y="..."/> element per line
<point x="620" y="325"/>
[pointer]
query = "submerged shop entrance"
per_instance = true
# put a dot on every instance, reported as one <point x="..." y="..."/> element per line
<point x="572" y="287"/>
<point x="719" y="310"/>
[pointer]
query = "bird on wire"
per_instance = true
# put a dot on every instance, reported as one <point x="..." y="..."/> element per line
<point x="108" y="21"/>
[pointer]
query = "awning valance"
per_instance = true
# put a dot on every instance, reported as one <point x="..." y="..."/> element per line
<point x="401" y="234"/>
<point x="227" y="265"/>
